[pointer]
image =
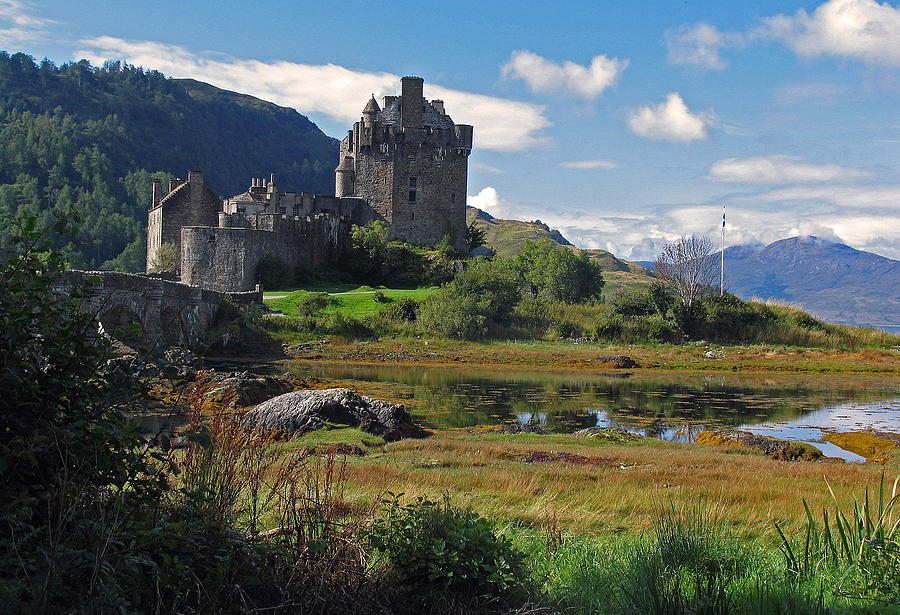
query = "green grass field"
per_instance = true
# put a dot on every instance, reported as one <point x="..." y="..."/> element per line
<point x="349" y="299"/>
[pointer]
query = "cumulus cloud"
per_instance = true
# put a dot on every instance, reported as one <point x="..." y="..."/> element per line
<point x="328" y="89"/>
<point x="489" y="200"/>
<point x="641" y="234"/>
<point x="778" y="169"/>
<point x="588" y="165"/>
<point x="860" y="29"/>
<point x="670" y="120"/>
<point x="19" y="24"/>
<point x="544" y="75"/>
<point x="700" y="45"/>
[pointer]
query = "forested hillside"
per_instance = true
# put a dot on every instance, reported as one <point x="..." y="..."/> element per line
<point x="77" y="136"/>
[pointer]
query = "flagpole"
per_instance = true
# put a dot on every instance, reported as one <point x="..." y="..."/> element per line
<point x="722" y="275"/>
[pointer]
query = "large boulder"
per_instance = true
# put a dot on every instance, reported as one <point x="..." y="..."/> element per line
<point x="300" y="412"/>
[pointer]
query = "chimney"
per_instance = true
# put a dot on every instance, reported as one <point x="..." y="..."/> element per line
<point x="195" y="177"/>
<point x="174" y="183"/>
<point x="438" y="106"/>
<point x="411" y="102"/>
<point x="156" y="189"/>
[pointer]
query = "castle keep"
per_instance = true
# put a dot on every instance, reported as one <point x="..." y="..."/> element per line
<point x="409" y="162"/>
<point x="404" y="163"/>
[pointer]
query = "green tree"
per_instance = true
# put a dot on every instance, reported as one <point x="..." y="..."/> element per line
<point x="553" y="272"/>
<point x="475" y="237"/>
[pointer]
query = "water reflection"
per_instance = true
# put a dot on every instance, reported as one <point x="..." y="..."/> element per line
<point x="673" y="406"/>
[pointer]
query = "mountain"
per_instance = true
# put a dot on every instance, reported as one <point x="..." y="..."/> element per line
<point x="830" y="280"/>
<point x="77" y="136"/>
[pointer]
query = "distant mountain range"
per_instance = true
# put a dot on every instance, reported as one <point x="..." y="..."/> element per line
<point x="831" y="280"/>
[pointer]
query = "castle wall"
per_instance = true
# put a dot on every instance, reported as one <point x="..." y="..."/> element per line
<point x="191" y="203"/>
<point x="225" y="259"/>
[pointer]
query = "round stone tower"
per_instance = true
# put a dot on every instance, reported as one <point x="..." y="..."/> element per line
<point x="344" y="177"/>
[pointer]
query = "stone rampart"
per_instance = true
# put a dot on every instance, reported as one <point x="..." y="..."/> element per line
<point x="226" y="259"/>
<point x="146" y="310"/>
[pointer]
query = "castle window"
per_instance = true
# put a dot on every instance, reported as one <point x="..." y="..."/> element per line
<point x="412" y="189"/>
<point x="452" y="197"/>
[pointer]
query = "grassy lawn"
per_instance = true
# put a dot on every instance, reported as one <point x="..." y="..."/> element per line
<point x="349" y="299"/>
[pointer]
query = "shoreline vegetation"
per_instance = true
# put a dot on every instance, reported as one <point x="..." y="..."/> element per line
<point x="223" y="517"/>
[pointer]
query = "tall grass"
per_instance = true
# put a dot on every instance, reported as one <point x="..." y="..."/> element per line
<point x="860" y="541"/>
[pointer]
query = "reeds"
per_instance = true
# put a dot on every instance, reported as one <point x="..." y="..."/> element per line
<point x="861" y="542"/>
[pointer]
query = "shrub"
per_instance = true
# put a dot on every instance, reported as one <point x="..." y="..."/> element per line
<point x="633" y="303"/>
<point x="443" y="551"/>
<point x="554" y="272"/>
<point x="465" y="307"/>
<point x="346" y="326"/>
<point x="730" y="318"/>
<point x="312" y="304"/>
<point x="404" y="310"/>
<point x="380" y="297"/>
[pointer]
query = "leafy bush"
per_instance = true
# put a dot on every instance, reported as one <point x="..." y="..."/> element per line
<point x="380" y="297"/>
<point x="403" y="310"/>
<point x="730" y="318"/>
<point x="439" y="550"/>
<point x="465" y="307"/>
<point x="345" y="326"/>
<point x="313" y="304"/>
<point x="554" y="272"/>
<point x="632" y="303"/>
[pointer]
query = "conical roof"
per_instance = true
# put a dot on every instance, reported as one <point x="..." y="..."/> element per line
<point x="372" y="106"/>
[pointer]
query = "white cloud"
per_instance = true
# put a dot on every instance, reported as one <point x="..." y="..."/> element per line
<point x="861" y="29"/>
<point x="641" y="235"/>
<point x="778" y="169"/>
<point x="542" y="74"/>
<point x="477" y="166"/>
<point x="887" y="196"/>
<point x="335" y="91"/>
<point x="588" y="165"/>
<point x="700" y="45"/>
<point x="22" y="26"/>
<point x="489" y="200"/>
<point x="670" y="120"/>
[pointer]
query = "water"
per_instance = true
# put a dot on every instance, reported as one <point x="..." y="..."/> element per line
<point x="671" y="406"/>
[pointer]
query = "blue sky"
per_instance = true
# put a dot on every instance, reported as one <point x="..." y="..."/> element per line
<point x="625" y="125"/>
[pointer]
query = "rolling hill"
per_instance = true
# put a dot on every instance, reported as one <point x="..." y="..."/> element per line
<point x="508" y="237"/>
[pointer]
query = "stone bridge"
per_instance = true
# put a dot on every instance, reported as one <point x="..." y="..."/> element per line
<point x="149" y="311"/>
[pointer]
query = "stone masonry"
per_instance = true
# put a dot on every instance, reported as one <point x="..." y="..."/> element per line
<point x="405" y="163"/>
<point x="409" y="162"/>
<point x="147" y="311"/>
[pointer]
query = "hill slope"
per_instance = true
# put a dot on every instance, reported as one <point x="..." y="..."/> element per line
<point x="78" y="136"/>
<point x="831" y="280"/>
<point x="508" y="237"/>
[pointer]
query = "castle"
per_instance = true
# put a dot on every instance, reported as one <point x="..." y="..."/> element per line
<point x="405" y="163"/>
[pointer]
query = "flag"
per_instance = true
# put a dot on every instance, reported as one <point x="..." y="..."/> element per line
<point x="723" y="216"/>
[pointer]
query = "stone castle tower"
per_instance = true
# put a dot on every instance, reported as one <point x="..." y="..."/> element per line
<point x="409" y="162"/>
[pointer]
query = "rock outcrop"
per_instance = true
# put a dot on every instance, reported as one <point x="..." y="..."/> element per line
<point x="300" y="412"/>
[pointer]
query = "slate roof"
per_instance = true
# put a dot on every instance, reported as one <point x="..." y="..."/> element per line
<point x="391" y="115"/>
